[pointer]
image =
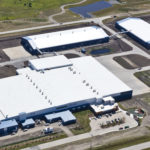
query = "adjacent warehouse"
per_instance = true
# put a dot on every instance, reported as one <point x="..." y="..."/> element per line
<point x="49" y="86"/>
<point x="66" y="39"/>
<point x="138" y="30"/>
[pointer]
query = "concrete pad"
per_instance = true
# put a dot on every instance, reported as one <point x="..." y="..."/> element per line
<point x="16" y="52"/>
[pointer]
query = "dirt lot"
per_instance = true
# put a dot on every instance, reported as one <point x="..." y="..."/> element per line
<point x="115" y="46"/>
<point x="112" y="22"/>
<point x="69" y="55"/>
<point x="7" y="71"/>
<point x="132" y="61"/>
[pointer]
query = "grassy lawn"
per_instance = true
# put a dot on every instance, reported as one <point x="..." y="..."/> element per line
<point x="144" y="76"/>
<point x="14" y="9"/>
<point x="83" y="122"/>
<point x="34" y="141"/>
<point x="146" y="98"/>
<point x="123" y="143"/>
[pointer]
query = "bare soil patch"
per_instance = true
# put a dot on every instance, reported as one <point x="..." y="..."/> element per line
<point x="7" y="71"/>
<point x="70" y="55"/>
<point x="132" y="61"/>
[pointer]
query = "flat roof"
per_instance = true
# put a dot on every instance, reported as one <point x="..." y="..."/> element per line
<point x="65" y="37"/>
<point x="8" y="123"/>
<point x="33" y="90"/>
<point x="28" y="122"/>
<point x="50" y="62"/>
<point x="103" y="108"/>
<point x="138" y="27"/>
<point x="64" y="115"/>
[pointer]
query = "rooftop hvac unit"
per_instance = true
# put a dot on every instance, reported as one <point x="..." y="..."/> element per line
<point x="42" y="93"/>
<point x="36" y="87"/>
<point x="45" y="97"/>
<point x="94" y="90"/>
<point x="91" y="87"/>
<point x="40" y="90"/>
<point x="97" y="93"/>
<point x="87" y="84"/>
<point x="84" y="81"/>
<point x="74" y="72"/>
<point x="33" y="83"/>
<point x="31" y="80"/>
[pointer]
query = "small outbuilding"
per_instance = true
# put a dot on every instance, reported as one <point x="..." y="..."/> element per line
<point x="29" y="123"/>
<point x="66" y="117"/>
<point x="8" y="126"/>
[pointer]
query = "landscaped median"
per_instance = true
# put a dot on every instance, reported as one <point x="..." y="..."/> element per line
<point x="83" y="122"/>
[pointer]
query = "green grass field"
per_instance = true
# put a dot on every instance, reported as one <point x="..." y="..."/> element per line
<point x="15" y="9"/>
<point x="144" y="76"/>
<point x="83" y="121"/>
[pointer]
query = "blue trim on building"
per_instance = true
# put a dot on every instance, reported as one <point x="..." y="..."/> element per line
<point x="8" y="126"/>
<point x="29" y="48"/>
<point x="29" y="123"/>
<point x="66" y="117"/>
<point x="133" y="36"/>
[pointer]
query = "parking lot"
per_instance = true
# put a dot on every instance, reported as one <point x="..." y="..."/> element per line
<point x="116" y="121"/>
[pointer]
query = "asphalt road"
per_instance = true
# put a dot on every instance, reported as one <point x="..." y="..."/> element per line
<point x="138" y="146"/>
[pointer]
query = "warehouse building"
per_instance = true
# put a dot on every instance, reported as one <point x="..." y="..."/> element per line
<point x="66" y="39"/>
<point x="138" y="29"/>
<point x="50" y="86"/>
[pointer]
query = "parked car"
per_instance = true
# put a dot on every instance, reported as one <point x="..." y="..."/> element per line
<point x="126" y="127"/>
<point x="121" y="128"/>
<point x="24" y="130"/>
<point x="46" y="124"/>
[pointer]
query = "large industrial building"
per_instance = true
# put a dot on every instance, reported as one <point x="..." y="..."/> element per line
<point x="66" y="39"/>
<point x="54" y="84"/>
<point x="137" y="28"/>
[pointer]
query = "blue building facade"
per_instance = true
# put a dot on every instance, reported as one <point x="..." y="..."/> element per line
<point x="29" y="48"/>
<point x="8" y="126"/>
<point x="130" y="34"/>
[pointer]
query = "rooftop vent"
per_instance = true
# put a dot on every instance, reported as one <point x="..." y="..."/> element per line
<point x="94" y="90"/>
<point x="84" y="81"/>
<point x="87" y="84"/>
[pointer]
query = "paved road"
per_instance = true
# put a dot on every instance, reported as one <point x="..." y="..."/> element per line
<point x="138" y="146"/>
<point x="51" y="18"/>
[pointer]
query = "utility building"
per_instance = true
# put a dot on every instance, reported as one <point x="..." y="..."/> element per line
<point x="138" y="29"/>
<point x="66" y="39"/>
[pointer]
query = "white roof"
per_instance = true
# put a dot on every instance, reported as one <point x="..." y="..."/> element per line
<point x="103" y="108"/>
<point x="50" y="62"/>
<point x="66" y="37"/>
<point x="32" y="90"/>
<point x="108" y="98"/>
<point x="137" y="26"/>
